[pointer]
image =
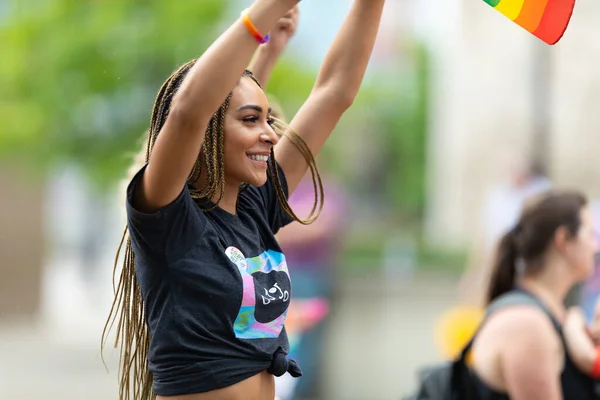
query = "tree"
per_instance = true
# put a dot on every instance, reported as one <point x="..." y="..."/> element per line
<point x="79" y="78"/>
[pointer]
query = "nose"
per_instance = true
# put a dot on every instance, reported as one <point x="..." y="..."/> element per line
<point x="269" y="136"/>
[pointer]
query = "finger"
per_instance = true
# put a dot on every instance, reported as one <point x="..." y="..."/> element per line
<point x="293" y="13"/>
<point x="284" y="19"/>
<point x="574" y="312"/>
<point x="290" y="13"/>
<point x="285" y="24"/>
<point x="594" y="335"/>
<point x="594" y="331"/>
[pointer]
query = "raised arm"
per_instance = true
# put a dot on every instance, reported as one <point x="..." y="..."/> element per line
<point x="267" y="55"/>
<point x="337" y="85"/>
<point x="202" y="91"/>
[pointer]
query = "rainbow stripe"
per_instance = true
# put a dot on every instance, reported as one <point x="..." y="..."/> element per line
<point x="546" y="19"/>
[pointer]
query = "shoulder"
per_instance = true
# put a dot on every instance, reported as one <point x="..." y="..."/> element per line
<point x="522" y="318"/>
<point x="524" y="329"/>
<point x="173" y="226"/>
<point x="523" y="348"/>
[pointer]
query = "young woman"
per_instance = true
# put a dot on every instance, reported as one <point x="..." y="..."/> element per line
<point x="204" y="289"/>
<point x="520" y="351"/>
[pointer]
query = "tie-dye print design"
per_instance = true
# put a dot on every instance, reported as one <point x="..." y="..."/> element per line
<point x="266" y="297"/>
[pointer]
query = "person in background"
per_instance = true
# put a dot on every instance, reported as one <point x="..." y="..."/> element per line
<point x="523" y="349"/>
<point x="501" y="210"/>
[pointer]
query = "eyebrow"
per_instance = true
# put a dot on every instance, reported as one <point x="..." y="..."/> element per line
<point x="253" y="107"/>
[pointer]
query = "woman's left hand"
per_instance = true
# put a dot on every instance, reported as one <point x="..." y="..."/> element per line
<point x="283" y="31"/>
<point x="594" y="326"/>
<point x="579" y="342"/>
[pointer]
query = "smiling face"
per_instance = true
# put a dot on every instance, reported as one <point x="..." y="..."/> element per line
<point x="248" y="135"/>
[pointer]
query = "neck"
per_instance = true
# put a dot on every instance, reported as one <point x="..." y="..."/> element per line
<point x="551" y="287"/>
<point x="230" y="195"/>
<point x="229" y="200"/>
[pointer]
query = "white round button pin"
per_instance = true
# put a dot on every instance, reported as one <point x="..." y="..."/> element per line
<point x="236" y="256"/>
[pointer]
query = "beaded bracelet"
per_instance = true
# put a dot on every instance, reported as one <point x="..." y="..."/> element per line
<point x="252" y="29"/>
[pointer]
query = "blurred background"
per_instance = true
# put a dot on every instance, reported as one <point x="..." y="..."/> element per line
<point x="461" y="116"/>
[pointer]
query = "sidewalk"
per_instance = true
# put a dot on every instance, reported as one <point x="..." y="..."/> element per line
<point x="34" y="365"/>
<point x="381" y="332"/>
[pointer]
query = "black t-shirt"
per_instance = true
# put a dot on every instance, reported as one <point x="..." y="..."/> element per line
<point x="216" y="290"/>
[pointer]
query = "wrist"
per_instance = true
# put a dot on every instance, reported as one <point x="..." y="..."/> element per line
<point x="270" y="51"/>
<point x="262" y="16"/>
<point x="263" y="62"/>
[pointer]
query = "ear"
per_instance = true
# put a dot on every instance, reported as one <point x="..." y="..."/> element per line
<point x="561" y="238"/>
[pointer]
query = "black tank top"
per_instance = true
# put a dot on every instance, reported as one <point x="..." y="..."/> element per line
<point x="575" y="384"/>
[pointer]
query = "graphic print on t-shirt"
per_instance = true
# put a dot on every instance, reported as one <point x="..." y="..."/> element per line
<point x="266" y="297"/>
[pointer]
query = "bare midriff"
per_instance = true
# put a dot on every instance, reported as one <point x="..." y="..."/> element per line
<point x="258" y="387"/>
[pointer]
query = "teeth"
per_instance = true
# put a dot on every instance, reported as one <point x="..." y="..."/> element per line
<point x="258" y="157"/>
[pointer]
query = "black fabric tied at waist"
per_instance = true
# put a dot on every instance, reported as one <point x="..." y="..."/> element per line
<point x="280" y="365"/>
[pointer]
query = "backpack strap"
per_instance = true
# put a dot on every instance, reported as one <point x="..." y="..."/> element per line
<point x="518" y="296"/>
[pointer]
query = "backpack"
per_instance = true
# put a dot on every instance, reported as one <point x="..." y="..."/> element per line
<point x="450" y="380"/>
<point x="453" y="380"/>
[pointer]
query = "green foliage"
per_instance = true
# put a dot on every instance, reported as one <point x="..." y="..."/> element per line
<point x="391" y="111"/>
<point x="405" y="127"/>
<point x="364" y="255"/>
<point x="290" y="85"/>
<point x="80" y="77"/>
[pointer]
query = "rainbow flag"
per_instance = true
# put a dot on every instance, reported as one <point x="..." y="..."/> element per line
<point x="546" y="19"/>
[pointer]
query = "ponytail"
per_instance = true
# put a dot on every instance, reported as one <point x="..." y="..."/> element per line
<point x="505" y="266"/>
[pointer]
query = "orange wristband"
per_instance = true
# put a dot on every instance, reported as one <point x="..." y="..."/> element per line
<point x="596" y="367"/>
<point x="252" y="29"/>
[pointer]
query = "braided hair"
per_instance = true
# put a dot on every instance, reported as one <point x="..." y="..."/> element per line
<point x="127" y="310"/>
